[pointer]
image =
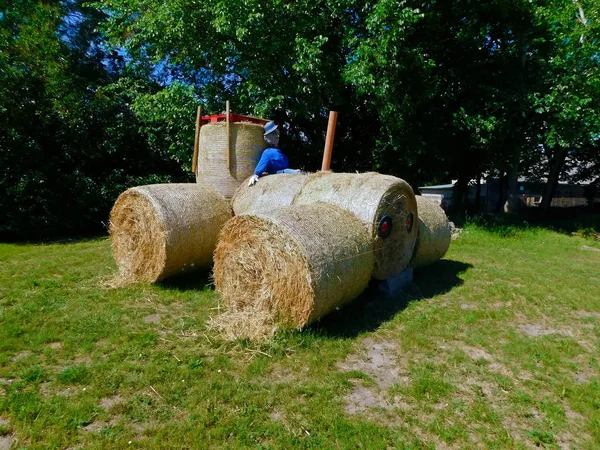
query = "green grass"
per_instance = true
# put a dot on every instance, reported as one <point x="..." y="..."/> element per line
<point x="496" y="346"/>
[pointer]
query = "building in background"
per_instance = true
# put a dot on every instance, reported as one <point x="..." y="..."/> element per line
<point x="566" y="194"/>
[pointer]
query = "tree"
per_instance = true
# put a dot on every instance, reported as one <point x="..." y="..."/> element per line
<point x="450" y="81"/>
<point x="279" y="60"/>
<point x="569" y="103"/>
<point x="67" y="148"/>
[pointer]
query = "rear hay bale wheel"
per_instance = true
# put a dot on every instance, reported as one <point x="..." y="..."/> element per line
<point x="294" y="264"/>
<point x="161" y="230"/>
<point x="434" y="234"/>
<point x="247" y="144"/>
<point x="270" y="192"/>
<point x="385" y="204"/>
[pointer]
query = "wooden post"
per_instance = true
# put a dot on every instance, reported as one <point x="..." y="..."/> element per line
<point x="329" y="141"/>
<point x="197" y="141"/>
<point x="228" y="136"/>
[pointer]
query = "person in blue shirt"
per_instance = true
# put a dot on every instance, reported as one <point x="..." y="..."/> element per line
<point x="272" y="160"/>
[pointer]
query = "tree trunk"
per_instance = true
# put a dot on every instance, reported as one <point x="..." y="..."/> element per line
<point x="512" y="176"/>
<point x="501" y="188"/>
<point x="512" y="202"/>
<point x="556" y="166"/>
<point x="478" y="194"/>
<point x="460" y="191"/>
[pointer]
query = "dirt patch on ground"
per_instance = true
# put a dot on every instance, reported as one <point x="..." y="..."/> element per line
<point x="49" y="389"/>
<point x="109" y="402"/>
<point x="276" y="415"/>
<point x="68" y="392"/>
<point x="481" y="388"/>
<point x="590" y="249"/>
<point x="22" y="355"/>
<point x="153" y="318"/>
<point x="6" y="442"/>
<point x="45" y="388"/>
<point x="83" y="360"/>
<point x="362" y="399"/>
<point x="140" y="428"/>
<point x="572" y="436"/>
<point x="55" y="345"/>
<point x="376" y="359"/>
<point x="582" y="377"/>
<point x="536" y="330"/>
<point x="498" y="305"/>
<point x="477" y="353"/>
<point x="587" y="314"/>
<point x="492" y="305"/>
<point x="96" y="427"/>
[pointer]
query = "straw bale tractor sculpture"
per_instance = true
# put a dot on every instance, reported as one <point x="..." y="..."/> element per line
<point x="286" y="251"/>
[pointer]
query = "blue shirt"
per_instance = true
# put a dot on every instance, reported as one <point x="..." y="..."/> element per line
<point x="271" y="161"/>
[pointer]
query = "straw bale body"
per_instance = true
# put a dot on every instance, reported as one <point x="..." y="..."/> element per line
<point x="434" y="233"/>
<point x="371" y="197"/>
<point x="246" y="146"/>
<point x="161" y="230"/>
<point x="270" y="192"/>
<point x="295" y="263"/>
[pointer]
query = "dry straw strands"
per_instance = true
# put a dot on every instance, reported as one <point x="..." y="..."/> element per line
<point x="251" y="323"/>
<point x="247" y="144"/>
<point x="166" y="229"/>
<point x="434" y="234"/>
<point x="294" y="264"/>
<point x="371" y="196"/>
<point x="270" y="192"/>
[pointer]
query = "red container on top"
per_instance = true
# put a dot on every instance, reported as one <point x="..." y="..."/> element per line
<point x="232" y="118"/>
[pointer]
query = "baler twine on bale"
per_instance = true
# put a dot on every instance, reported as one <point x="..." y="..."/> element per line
<point x="434" y="234"/>
<point x="246" y="146"/>
<point x="270" y="192"/>
<point x="371" y="197"/>
<point x="292" y="265"/>
<point x="166" y="229"/>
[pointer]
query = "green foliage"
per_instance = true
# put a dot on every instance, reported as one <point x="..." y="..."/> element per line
<point x="97" y="97"/>
<point x="168" y="120"/>
<point x="68" y="148"/>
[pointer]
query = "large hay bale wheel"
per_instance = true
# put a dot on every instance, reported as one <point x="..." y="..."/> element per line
<point x="385" y="204"/>
<point x="270" y="192"/>
<point x="161" y="230"/>
<point x="246" y="146"/>
<point x="434" y="234"/>
<point x="296" y="263"/>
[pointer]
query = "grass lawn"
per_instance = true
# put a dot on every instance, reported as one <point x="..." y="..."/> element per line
<point x="494" y="347"/>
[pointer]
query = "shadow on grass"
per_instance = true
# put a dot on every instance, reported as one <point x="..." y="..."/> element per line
<point x="372" y="309"/>
<point x="194" y="281"/>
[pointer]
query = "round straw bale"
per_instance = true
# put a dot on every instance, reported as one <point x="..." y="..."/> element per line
<point x="434" y="233"/>
<point x="296" y="263"/>
<point x="247" y="144"/>
<point x="270" y="192"/>
<point x="371" y="197"/>
<point x="161" y="230"/>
